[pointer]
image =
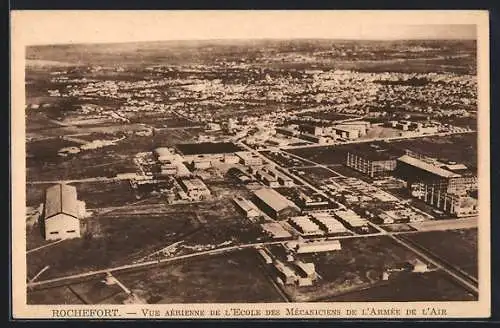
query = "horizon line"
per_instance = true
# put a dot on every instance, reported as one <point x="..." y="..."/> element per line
<point x="249" y="39"/>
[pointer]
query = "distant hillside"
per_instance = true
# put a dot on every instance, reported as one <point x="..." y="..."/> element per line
<point x="206" y="49"/>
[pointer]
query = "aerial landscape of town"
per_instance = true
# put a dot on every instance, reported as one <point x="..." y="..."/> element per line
<point x="252" y="171"/>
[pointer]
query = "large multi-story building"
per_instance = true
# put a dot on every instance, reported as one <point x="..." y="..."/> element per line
<point x="372" y="160"/>
<point x="415" y="170"/>
<point x="439" y="186"/>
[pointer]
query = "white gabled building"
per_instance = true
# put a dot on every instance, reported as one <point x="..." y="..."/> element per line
<point x="62" y="212"/>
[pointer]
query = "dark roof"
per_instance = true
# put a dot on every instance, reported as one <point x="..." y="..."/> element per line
<point x="59" y="199"/>
<point x="375" y="152"/>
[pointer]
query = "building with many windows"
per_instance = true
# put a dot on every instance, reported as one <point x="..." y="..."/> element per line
<point x="372" y="160"/>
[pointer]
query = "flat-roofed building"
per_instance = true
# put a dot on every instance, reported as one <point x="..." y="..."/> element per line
<point x="316" y="138"/>
<point x="313" y="246"/>
<point x="311" y="129"/>
<point x="195" y="188"/>
<point x="163" y="154"/>
<point x="250" y="159"/>
<point x="167" y="167"/>
<point x="346" y="132"/>
<point x="274" y="204"/>
<point x="62" y="212"/>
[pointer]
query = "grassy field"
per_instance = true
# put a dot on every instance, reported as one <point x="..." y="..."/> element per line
<point x="461" y="148"/>
<point x="458" y="247"/>
<point x="381" y="132"/>
<point x="408" y="287"/>
<point x="233" y="277"/>
<point x="222" y="222"/>
<point x="114" y="241"/>
<point x="35" y="193"/>
<point x="54" y="296"/>
<point x="97" y="163"/>
<point x="323" y="155"/>
<point x="105" y="194"/>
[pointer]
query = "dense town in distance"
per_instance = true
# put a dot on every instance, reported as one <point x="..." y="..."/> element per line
<point x="261" y="171"/>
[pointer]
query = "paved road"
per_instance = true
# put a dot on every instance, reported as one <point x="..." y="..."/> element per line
<point x="96" y="179"/>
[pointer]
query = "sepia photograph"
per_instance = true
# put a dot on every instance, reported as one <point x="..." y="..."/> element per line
<point x="250" y="164"/>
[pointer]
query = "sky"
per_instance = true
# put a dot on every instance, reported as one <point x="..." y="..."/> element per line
<point x="60" y="27"/>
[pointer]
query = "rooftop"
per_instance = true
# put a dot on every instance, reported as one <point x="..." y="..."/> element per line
<point x="61" y="198"/>
<point x="273" y="198"/>
<point x="428" y="167"/>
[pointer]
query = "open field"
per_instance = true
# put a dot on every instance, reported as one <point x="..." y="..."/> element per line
<point x="163" y="121"/>
<point x="461" y="148"/>
<point x="35" y="194"/>
<point x="106" y="161"/>
<point x="92" y="164"/>
<point x="45" y="151"/>
<point x="381" y="132"/>
<point x="222" y="223"/>
<point x="324" y="154"/>
<point x="104" y="194"/>
<point x="349" y="172"/>
<point x="55" y="296"/>
<point x="234" y="277"/>
<point x="109" y="241"/>
<point x="408" y="287"/>
<point x="227" y="189"/>
<point x="458" y="247"/>
<point x="450" y="224"/>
